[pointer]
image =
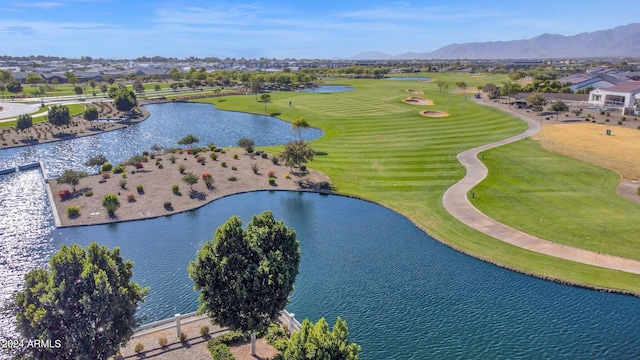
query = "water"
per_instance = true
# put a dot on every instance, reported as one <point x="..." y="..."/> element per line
<point x="409" y="78"/>
<point x="327" y="89"/>
<point x="167" y="124"/>
<point x="402" y="294"/>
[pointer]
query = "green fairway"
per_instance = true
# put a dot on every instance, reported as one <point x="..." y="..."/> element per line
<point x="558" y="199"/>
<point x="74" y="110"/>
<point x="381" y="149"/>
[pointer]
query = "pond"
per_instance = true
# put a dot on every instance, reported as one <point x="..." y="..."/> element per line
<point x="167" y="124"/>
<point x="327" y="89"/>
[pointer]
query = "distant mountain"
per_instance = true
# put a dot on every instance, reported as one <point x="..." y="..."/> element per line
<point x="371" y="55"/>
<point x="619" y="41"/>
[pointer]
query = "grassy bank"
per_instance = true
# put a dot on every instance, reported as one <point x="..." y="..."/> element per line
<point x="558" y="199"/>
<point x="381" y="149"/>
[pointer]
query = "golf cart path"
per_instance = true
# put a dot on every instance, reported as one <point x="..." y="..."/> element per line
<point x="457" y="204"/>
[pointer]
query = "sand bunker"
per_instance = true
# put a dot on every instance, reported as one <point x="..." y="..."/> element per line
<point x="417" y="92"/>
<point x="412" y="100"/>
<point x="431" y="113"/>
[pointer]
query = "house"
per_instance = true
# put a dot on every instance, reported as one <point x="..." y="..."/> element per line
<point x="624" y="96"/>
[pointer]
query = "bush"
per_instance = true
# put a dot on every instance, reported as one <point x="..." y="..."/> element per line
<point x="213" y="156"/>
<point x="175" y="189"/>
<point x="272" y="181"/>
<point x="124" y="174"/>
<point x="221" y="352"/>
<point x="172" y="158"/>
<point x="157" y="162"/>
<point x="232" y="178"/>
<point x="64" y="194"/>
<point x="182" y="337"/>
<point x="163" y="342"/>
<point x="139" y="166"/>
<point x="264" y="155"/>
<point x="140" y="189"/>
<point x="118" y="169"/>
<point x="303" y="167"/>
<point x="106" y="167"/>
<point x="287" y="176"/>
<point x="73" y="211"/>
<point x="123" y="183"/>
<point x="111" y="203"/>
<point x="201" y="159"/>
<point x="277" y="337"/>
<point x="235" y="156"/>
<point x="88" y="193"/>
<point x="138" y="348"/>
<point x="274" y="160"/>
<point x="105" y="175"/>
<point x="131" y="197"/>
<point x="255" y="168"/>
<point x="182" y="168"/>
<point x="234" y="168"/>
<point x="224" y="164"/>
<point x="271" y="174"/>
<point x="167" y="205"/>
<point x="204" y="331"/>
<point x="207" y="178"/>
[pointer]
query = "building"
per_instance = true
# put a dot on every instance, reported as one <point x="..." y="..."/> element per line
<point x="624" y="96"/>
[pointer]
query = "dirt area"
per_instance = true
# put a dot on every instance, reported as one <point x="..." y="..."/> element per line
<point x="413" y="100"/>
<point x="431" y="113"/>
<point x="45" y="132"/>
<point x="157" y="184"/>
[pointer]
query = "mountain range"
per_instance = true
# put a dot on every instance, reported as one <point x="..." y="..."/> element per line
<point x="623" y="41"/>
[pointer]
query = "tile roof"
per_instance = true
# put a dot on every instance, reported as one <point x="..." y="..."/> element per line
<point x="627" y="86"/>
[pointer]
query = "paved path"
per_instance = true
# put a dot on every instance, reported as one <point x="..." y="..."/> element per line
<point x="457" y="204"/>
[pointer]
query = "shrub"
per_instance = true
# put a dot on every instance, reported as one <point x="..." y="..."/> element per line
<point x="211" y="146"/>
<point x="111" y="203"/>
<point x="287" y="176"/>
<point x="167" y="205"/>
<point x="224" y="164"/>
<point x="172" y="158"/>
<point x="138" y="348"/>
<point x="201" y="159"/>
<point x="182" y="337"/>
<point x="140" y="189"/>
<point x="160" y="166"/>
<point x="221" y="352"/>
<point x="255" y="168"/>
<point x="105" y="175"/>
<point x="175" y="188"/>
<point x="264" y="155"/>
<point x="232" y="178"/>
<point x="182" y="168"/>
<point x="272" y="181"/>
<point x="274" y="160"/>
<point x="271" y="174"/>
<point x="606" y="120"/>
<point x="157" y="162"/>
<point x="204" y="331"/>
<point x="608" y="113"/>
<point x="139" y="166"/>
<point x="124" y="174"/>
<point x="88" y="193"/>
<point x="106" y="167"/>
<point x="123" y="183"/>
<point x="118" y="169"/>
<point x="131" y="197"/>
<point x="602" y="112"/>
<point x="73" y="211"/>
<point x="234" y="167"/>
<point x="623" y="119"/>
<point x="163" y="342"/>
<point x="235" y="156"/>
<point x="213" y="156"/>
<point x="303" y="167"/>
<point x="64" y="194"/>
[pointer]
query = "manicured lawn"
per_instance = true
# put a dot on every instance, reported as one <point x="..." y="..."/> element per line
<point x="381" y="149"/>
<point x="74" y="109"/>
<point x="558" y="199"/>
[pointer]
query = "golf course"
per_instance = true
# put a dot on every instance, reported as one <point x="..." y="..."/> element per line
<point x="379" y="148"/>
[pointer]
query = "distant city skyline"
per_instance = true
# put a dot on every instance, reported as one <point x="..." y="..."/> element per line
<point x="285" y="29"/>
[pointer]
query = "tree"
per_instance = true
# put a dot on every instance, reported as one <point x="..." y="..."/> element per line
<point x="317" y="342"/>
<point x="245" y="277"/>
<point x="111" y="203"/>
<point x="33" y="79"/>
<point x="138" y="86"/>
<point x="491" y="90"/>
<point x="190" y="179"/>
<point x="14" y="87"/>
<point x="91" y="113"/>
<point x="509" y="89"/>
<point x="78" y="90"/>
<point x="443" y="87"/>
<point x="188" y="140"/>
<point x="559" y="107"/>
<point x="71" y="177"/>
<point x="93" y="84"/>
<point x="97" y="160"/>
<point x="59" y="115"/>
<point x="125" y="100"/>
<point x="295" y="153"/>
<point x="536" y="100"/>
<point x="6" y="77"/>
<point x="298" y="125"/>
<point x="265" y="98"/>
<point x="175" y="74"/>
<point x="463" y="87"/>
<point x="247" y="144"/>
<point x="256" y="84"/>
<point x="24" y="121"/>
<point x="157" y="87"/>
<point x="85" y="303"/>
<point x="71" y="77"/>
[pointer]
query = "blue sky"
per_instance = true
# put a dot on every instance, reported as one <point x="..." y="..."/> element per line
<point x="281" y="29"/>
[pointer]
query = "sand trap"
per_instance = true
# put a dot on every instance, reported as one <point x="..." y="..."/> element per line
<point x="412" y="100"/>
<point x="431" y="113"/>
<point x="417" y="92"/>
<point x="619" y="152"/>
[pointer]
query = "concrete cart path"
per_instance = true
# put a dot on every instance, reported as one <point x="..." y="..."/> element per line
<point x="457" y="204"/>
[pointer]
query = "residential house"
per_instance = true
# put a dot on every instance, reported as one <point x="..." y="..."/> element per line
<point x="624" y="96"/>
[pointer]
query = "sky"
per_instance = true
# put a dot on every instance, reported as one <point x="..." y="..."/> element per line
<point x="304" y="29"/>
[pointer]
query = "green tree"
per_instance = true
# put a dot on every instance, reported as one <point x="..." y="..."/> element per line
<point x="265" y="98"/>
<point x="58" y="115"/>
<point x="14" y="87"/>
<point x="491" y="90"/>
<point x="138" y="86"/>
<point x="509" y="89"/>
<point x="188" y="140"/>
<point x="317" y="342"/>
<point x="71" y="77"/>
<point x="111" y="203"/>
<point x="6" y="77"/>
<point x="298" y="125"/>
<point x="78" y="90"/>
<point x="175" y="74"/>
<point x="86" y="301"/>
<point x="463" y="87"/>
<point x="157" y="87"/>
<point x="247" y="144"/>
<point x="256" y="83"/>
<point x="24" y="121"/>
<point x="296" y="153"/>
<point x="93" y="84"/>
<point x="190" y="179"/>
<point x="71" y="177"/>
<point x="125" y="100"/>
<point x="537" y="100"/>
<point x="33" y="79"/>
<point x="559" y="107"/>
<point x="245" y="277"/>
<point x="97" y="160"/>
<point x="91" y="113"/>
